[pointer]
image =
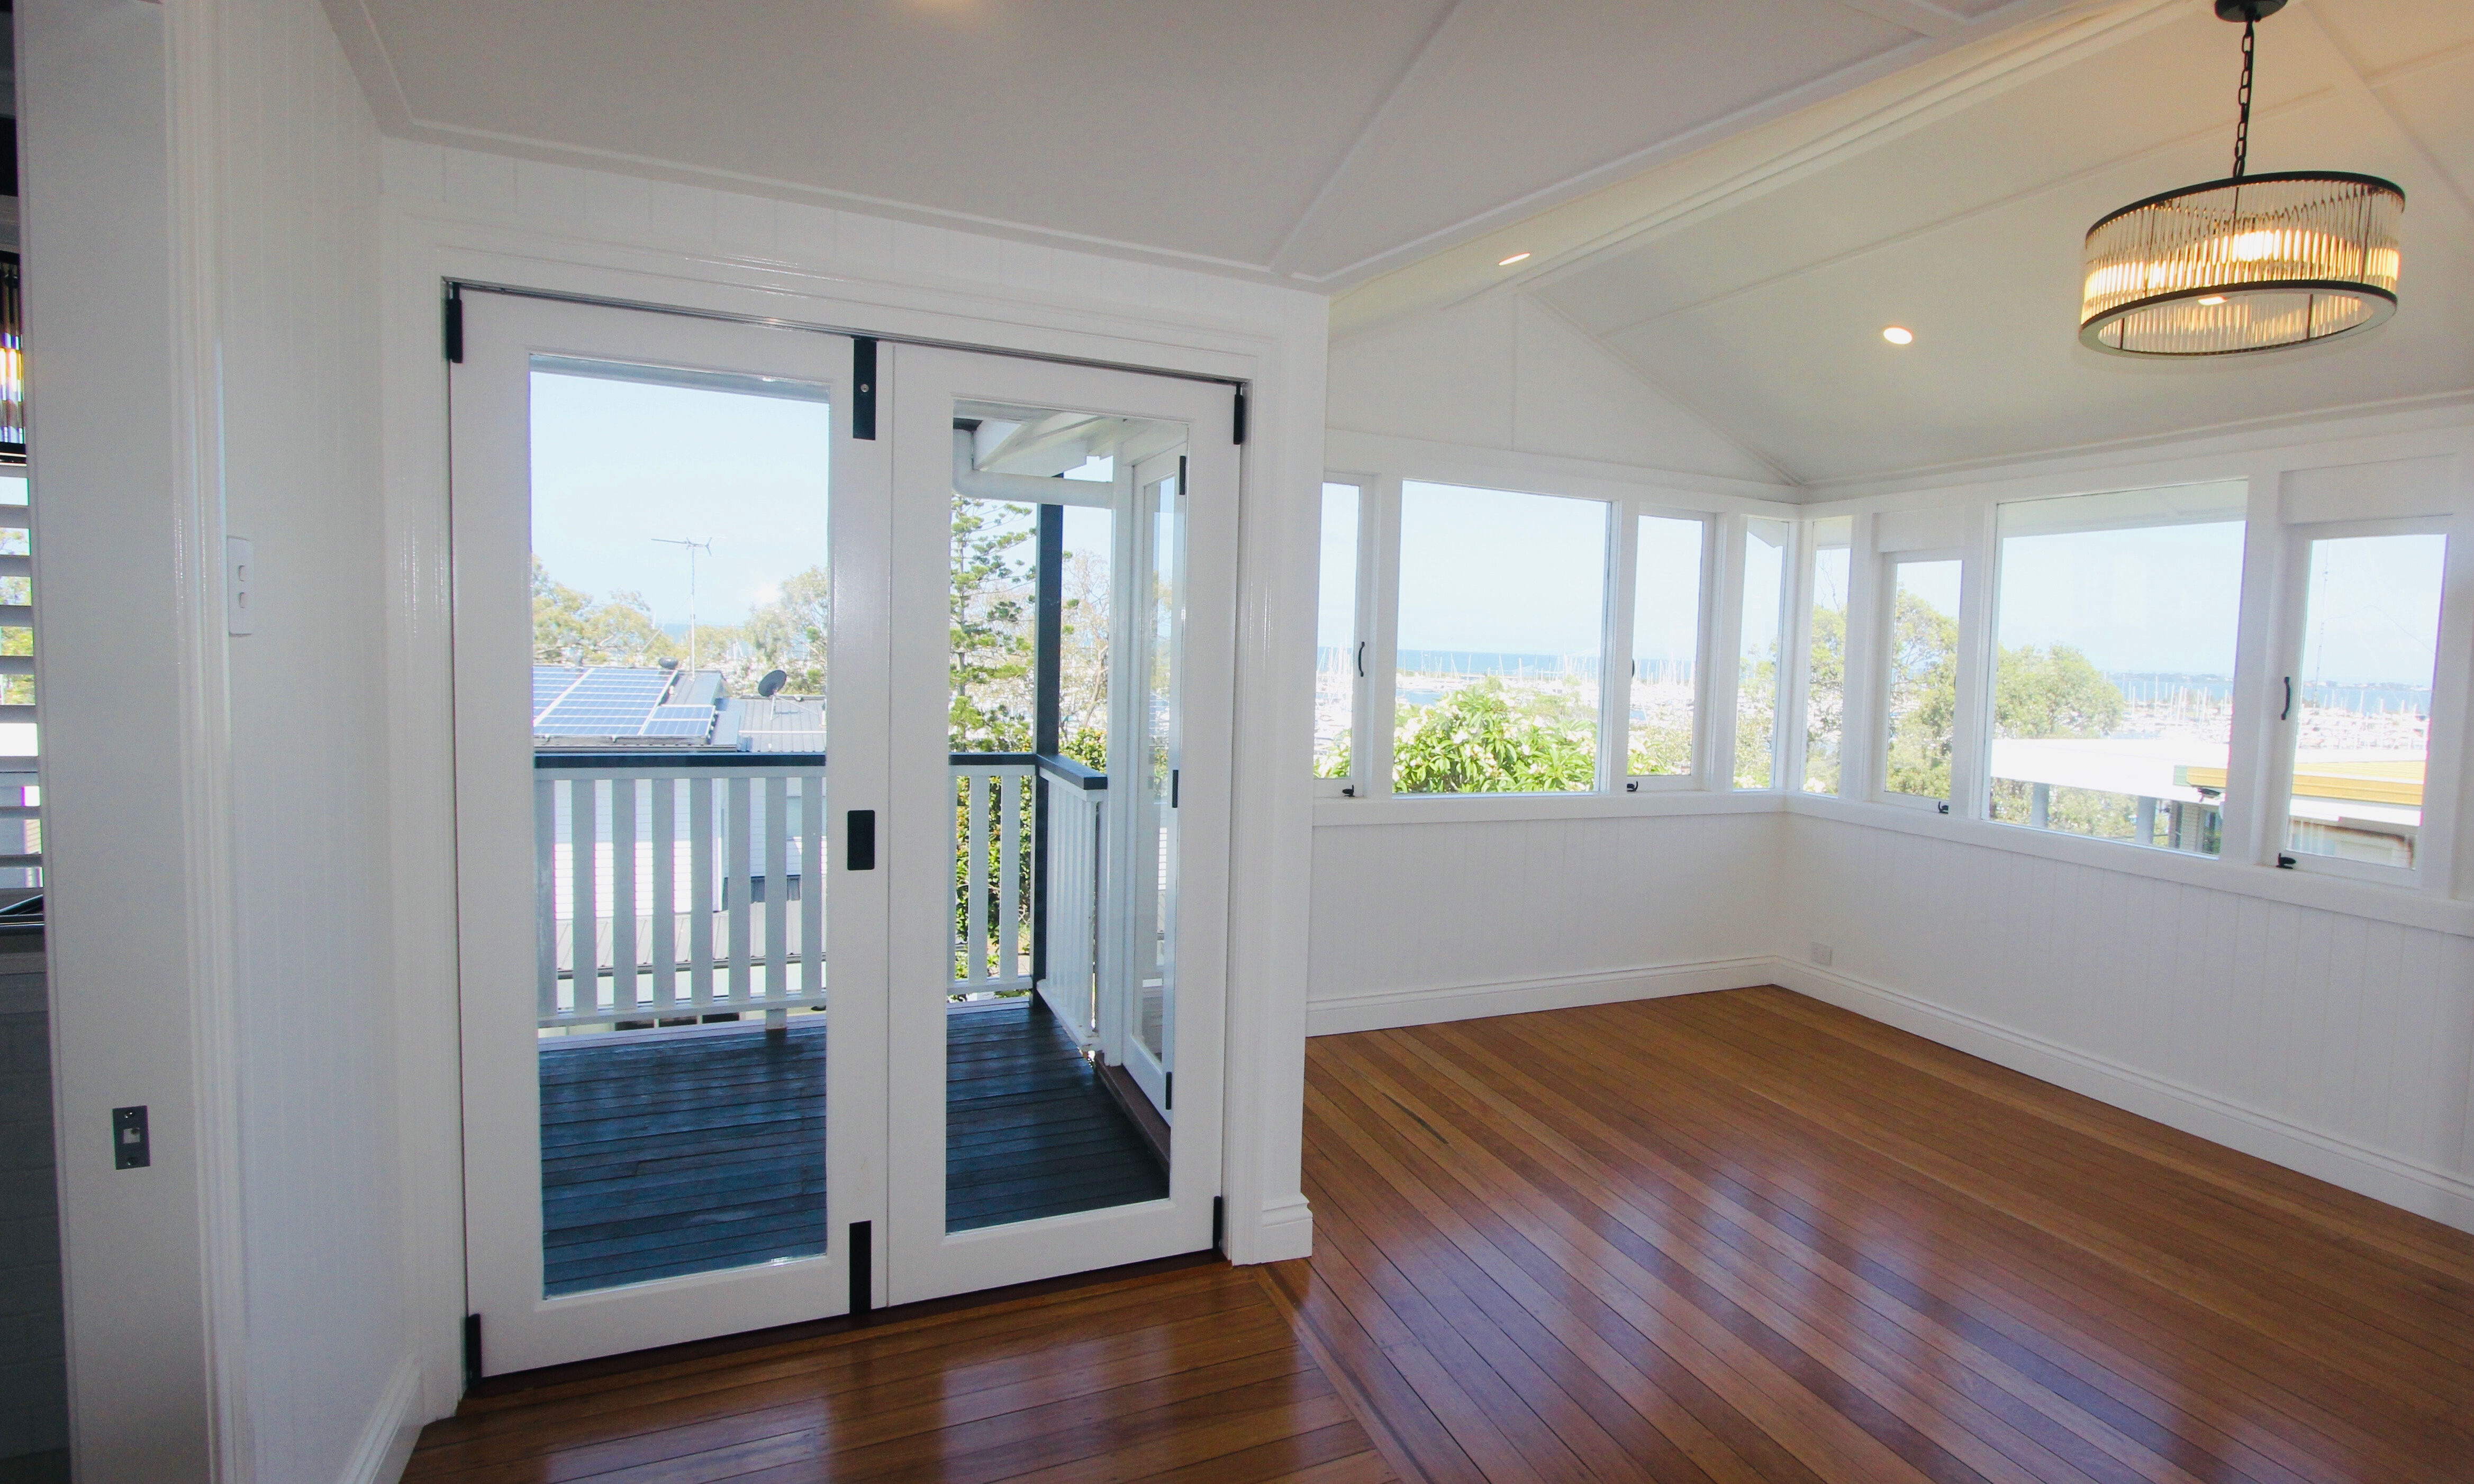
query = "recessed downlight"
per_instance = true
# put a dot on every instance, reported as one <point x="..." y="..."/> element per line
<point x="1898" y="334"/>
<point x="1517" y="257"/>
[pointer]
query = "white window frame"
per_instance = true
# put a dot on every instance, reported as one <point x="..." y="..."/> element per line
<point x="1623" y="564"/>
<point x="2435" y="842"/>
<point x="1354" y="783"/>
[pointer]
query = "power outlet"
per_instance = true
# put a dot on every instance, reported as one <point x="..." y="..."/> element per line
<point x="1821" y="953"/>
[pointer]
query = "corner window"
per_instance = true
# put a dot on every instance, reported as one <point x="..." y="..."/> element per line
<point x="1340" y="649"/>
<point x="1825" y="653"/>
<point x="2114" y="665"/>
<point x="1665" y="646"/>
<point x="1501" y="618"/>
<point x="1920" y="691"/>
<point x="2354" y="702"/>
<point x="1757" y="663"/>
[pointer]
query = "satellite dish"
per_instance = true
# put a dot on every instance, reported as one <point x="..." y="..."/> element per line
<point x="773" y="680"/>
<point x="667" y="664"/>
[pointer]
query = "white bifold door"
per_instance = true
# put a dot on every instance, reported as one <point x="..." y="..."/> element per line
<point x="841" y="804"/>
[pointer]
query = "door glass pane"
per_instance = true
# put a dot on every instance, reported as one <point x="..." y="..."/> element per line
<point x="2362" y="700"/>
<point x="1665" y="644"/>
<point x="1336" y="640"/>
<point x="1757" y="669"/>
<point x="1502" y="608"/>
<point x="1055" y="1100"/>
<point x="2114" y="670"/>
<point x="1923" y="689"/>
<point x="679" y="683"/>
<point x="1825" y="654"/>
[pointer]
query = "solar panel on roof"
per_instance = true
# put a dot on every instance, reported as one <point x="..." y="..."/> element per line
<point x="680" y="721"/>
<point x="551" y="682"/>
<point x="605" y="703"/>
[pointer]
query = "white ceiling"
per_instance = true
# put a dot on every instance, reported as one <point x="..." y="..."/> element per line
<point x="1763" y="313"/>
<point x="1304" y="140"/>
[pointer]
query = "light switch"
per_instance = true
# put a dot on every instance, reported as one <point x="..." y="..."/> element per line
<point x="240" y="576"/>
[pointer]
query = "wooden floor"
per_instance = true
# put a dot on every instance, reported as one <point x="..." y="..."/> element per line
<point x="1725" y="1237"/>
<point x="686" y="1153"/>
<point x="1744" y="1236"/>
<point x="1188" y="1377"/>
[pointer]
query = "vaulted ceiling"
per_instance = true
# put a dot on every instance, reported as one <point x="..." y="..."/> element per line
<point x="1309" y="141"/>
<point x="1750" y="283"/>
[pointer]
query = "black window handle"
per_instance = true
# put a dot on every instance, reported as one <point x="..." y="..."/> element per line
<point x="1361" y="660"/>
<point x="859" y="840"/>
<point x="2287" y="714"/>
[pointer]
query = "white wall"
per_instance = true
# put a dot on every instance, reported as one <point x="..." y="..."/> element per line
<point x="2330" y="1042"/>
<point x="202" y="265"/>
<point x="327" y="1354"/>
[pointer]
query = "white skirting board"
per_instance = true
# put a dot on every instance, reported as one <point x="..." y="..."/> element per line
<point x="394" y="1427"/>
<point x="2420" y="1189"/>
<point x="1392" y="1008"/>
<point x="1287" y="1232"/>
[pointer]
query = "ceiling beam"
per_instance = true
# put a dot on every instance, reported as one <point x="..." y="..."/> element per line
<point x="1925" y="21"/>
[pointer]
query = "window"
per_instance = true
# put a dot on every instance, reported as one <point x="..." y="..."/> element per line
<point x="1825" y="653"/>
<point x="2114" y="664"/>
<point x="1340" y="657"/>
<point x="2356" y="701"/>
<point x="1757" y="666"/>
<point x="1500" y="630"/>
<point x="1665" y="645"/>
<point x="1921" y="694"/>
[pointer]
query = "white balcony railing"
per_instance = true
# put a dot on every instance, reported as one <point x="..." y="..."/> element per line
<point x="677" y="887"/>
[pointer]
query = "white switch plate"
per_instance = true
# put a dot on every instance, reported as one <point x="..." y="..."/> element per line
<point x="1821" y="954"/>
<point x="240" y="576"/>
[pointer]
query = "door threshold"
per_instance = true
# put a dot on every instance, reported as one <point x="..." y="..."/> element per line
<point x="517" y="1383"/>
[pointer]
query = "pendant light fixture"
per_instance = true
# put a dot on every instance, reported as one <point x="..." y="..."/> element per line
<point x="2251" y="262"/>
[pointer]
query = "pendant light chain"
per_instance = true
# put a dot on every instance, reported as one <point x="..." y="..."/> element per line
<point x="2241" y="131"/>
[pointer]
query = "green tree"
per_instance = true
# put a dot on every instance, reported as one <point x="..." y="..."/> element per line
<point x="569" y="627"/>
<point x="1923" y="697"/>
<point x="992" y="649"/>
<point x="1825" y="698"/>
<point x="1475" y="741"/>
<point x="792" y="632"/>
<point x="2054" y="692"/>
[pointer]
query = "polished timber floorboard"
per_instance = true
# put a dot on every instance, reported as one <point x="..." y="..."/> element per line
<point x="1727" y="1237"/>
<point x="1745" y="1236"/>
<point x="688" y="1152"/>
<point x="1190" y="1376"/>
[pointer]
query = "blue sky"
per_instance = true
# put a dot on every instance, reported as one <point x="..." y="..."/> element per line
<point x="1481" y="569"/>
<point x="618" y="463"/>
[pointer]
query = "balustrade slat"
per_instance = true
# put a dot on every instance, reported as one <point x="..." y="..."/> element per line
<point x="777" y="889"/>
<point x="546" y="893"/>
<point x="700" y="866"/>
<point x="623" y="964"/>
<point x="665" y="893"/>
<point x="978" y="890"/>
<point x="812" y="884"/>
<point x="736" y="888"/>
<point x="584" y="917"/>
<point x="1008" y="964"/>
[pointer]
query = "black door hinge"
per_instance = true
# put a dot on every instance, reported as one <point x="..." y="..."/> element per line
<point x="1239" y="428"/>
<point x="1219" y="1221"/>
<point x="859" y="840"/>
<point x="1168" y="1092"/>
<point x="452" y="309"/>
<point x="1171" y="788"/>
<point x="471" y="1351"/>
<point x="863" y="386"/>
<point x="861" y="1259"/>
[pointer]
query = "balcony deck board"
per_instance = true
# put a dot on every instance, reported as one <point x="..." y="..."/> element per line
<point x="686" y="1154"/>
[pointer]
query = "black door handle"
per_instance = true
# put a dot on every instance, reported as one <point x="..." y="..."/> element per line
<point x="2287" y="714"/>
<point x="859" y="840"/>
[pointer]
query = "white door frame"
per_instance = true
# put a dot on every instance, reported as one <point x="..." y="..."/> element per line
<point x="922" y="1260"/>
<point x="490" y="509"/>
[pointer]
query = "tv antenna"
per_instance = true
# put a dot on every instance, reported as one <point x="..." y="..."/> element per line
<point x="692" y="547"/>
